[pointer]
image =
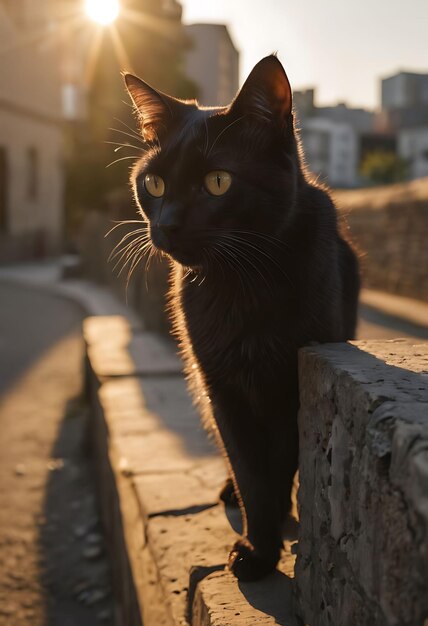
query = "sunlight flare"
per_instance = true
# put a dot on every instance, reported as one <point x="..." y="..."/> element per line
<point x="102" y="11"/>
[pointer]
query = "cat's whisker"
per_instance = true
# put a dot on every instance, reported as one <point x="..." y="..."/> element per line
<point x="126" y="253"/>
<point x="222" y="133"/>
<point x="118" y="250"/>
<point x="236" y="263"/>
<point x="123" y="223"/>
<point x="207" y="137"/>
<point x="244" y="242"/>
<point x="136" y="249"/>
<point x="129" y="263"/>
<point x="152" y="253"/>
<point x="215" y="253"/>
<point x="134" y="137"/>
<point x="265" y="236"/>
<point x="136" y="231"/>
<point x="132" y="233"/>
<point x="256" y="268"/>
<point x="133" y="132"/>
<point x="137" y="259"/>
<point x="120" y="146"/>
<point x="135" y="156"/>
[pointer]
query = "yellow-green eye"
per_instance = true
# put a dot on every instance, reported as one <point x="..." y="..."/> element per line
<point x="154" y="185"/>
<point x="218" y="182"/>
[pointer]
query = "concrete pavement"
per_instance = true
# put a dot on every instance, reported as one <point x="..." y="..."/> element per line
<point x="48" y="512"/>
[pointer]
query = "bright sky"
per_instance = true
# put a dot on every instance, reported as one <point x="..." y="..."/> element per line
<point x="342" y="47"/>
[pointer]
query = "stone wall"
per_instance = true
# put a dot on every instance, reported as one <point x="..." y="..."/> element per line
<point x="390" y="227"/>
<point x="363" y="545"/>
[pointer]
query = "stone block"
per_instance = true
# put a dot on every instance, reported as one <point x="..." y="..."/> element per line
<point x="180" y="492"/>
<point x="221" y="601"/>
<point x="363" y="498"/>
<point x="180" y="544"/>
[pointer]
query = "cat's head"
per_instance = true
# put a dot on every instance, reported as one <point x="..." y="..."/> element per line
<point x="210" y="174"/>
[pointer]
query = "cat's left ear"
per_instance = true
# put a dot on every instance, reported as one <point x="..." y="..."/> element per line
<point x="155" y="109"/>
<point x="266" y="93"/>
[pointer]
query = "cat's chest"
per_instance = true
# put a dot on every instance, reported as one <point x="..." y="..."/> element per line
<point x="231" y="330"/>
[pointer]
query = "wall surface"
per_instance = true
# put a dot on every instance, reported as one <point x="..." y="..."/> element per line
<point x="31" y="141"/>
<point x="363" y="539"/>
<point x="390" y="228"/>
<point x="213" y="63"/>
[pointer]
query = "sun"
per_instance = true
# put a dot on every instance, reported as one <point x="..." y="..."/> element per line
<point x="102" y="11"/>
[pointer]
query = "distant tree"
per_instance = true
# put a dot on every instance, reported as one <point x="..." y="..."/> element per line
<point x="154" y="43"/>
<point x="382" y="167"/>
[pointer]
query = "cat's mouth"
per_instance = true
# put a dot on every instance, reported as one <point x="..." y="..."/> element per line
<point x="185" y="253"/>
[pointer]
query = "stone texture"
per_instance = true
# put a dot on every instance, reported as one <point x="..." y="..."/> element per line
<point x="180" y="544"/>
<point x="177" y="493"/>
<point x="363" y="498"/>
<point x="390" y="227"/>
<point x="220" y="601"/>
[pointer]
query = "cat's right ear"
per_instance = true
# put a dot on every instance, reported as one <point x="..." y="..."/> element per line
<point x="155" y="109"/>
<point x="266" y="94"/>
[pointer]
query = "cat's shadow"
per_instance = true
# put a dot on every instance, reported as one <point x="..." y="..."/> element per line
<point x="274" y="594"/>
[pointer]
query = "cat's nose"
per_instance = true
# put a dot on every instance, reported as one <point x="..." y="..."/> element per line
<point x="163" y="234"/>
<point x="169" y="228"/>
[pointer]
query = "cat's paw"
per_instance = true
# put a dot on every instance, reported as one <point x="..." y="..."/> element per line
<point x="227" y="493"/>
<point x="247" y="565"/>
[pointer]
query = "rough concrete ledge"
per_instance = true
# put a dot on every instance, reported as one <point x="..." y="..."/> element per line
<point x="159" y="479"/>
<point x="363" y="540"/>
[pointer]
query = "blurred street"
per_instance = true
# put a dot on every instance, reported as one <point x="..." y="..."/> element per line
<point x="53" y="570"/>
<point x="376" y="324"/>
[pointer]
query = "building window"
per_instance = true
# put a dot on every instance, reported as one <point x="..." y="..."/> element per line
<point x="3" y="190"/>
<point x="32" y="174"/>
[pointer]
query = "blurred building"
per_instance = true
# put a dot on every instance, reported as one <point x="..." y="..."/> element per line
<point x="31" y="140"/>
<point x="213" y="63"/>
<point x="405" y="90"/>
<point x="331" y="150"/>
<point x="405" y="113"/>
<point x="413" y="147"/>
<point x="331" y="138"/>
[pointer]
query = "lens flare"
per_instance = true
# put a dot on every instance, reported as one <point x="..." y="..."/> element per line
<point x="102" y="11"/>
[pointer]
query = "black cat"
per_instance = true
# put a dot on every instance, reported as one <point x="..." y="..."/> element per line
<point x="258" y="270"/>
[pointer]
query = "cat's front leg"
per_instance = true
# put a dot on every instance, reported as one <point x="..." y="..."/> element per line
<point x="255" y="452"/>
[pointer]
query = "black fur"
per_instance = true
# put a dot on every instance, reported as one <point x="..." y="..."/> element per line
<point x="257" y="273"/>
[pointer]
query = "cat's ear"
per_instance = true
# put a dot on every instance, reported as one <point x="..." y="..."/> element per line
<point x="266" y="93"/>
<point x="155" y="109"/>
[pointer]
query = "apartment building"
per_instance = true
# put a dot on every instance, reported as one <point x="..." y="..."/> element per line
<point x="213" y="63"/>
<point x="31" y="173"/>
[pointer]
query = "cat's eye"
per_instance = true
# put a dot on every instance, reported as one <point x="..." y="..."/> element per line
<point x="154" y="185"/>
<point x="218" y="182"/>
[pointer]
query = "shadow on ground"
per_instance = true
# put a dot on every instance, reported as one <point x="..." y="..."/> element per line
<point x="397" y="325"/>
<point x="74" y="565"/>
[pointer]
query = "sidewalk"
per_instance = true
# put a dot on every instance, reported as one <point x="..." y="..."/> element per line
<point x="95" y="299"/>
<point x="407" y="309"/>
